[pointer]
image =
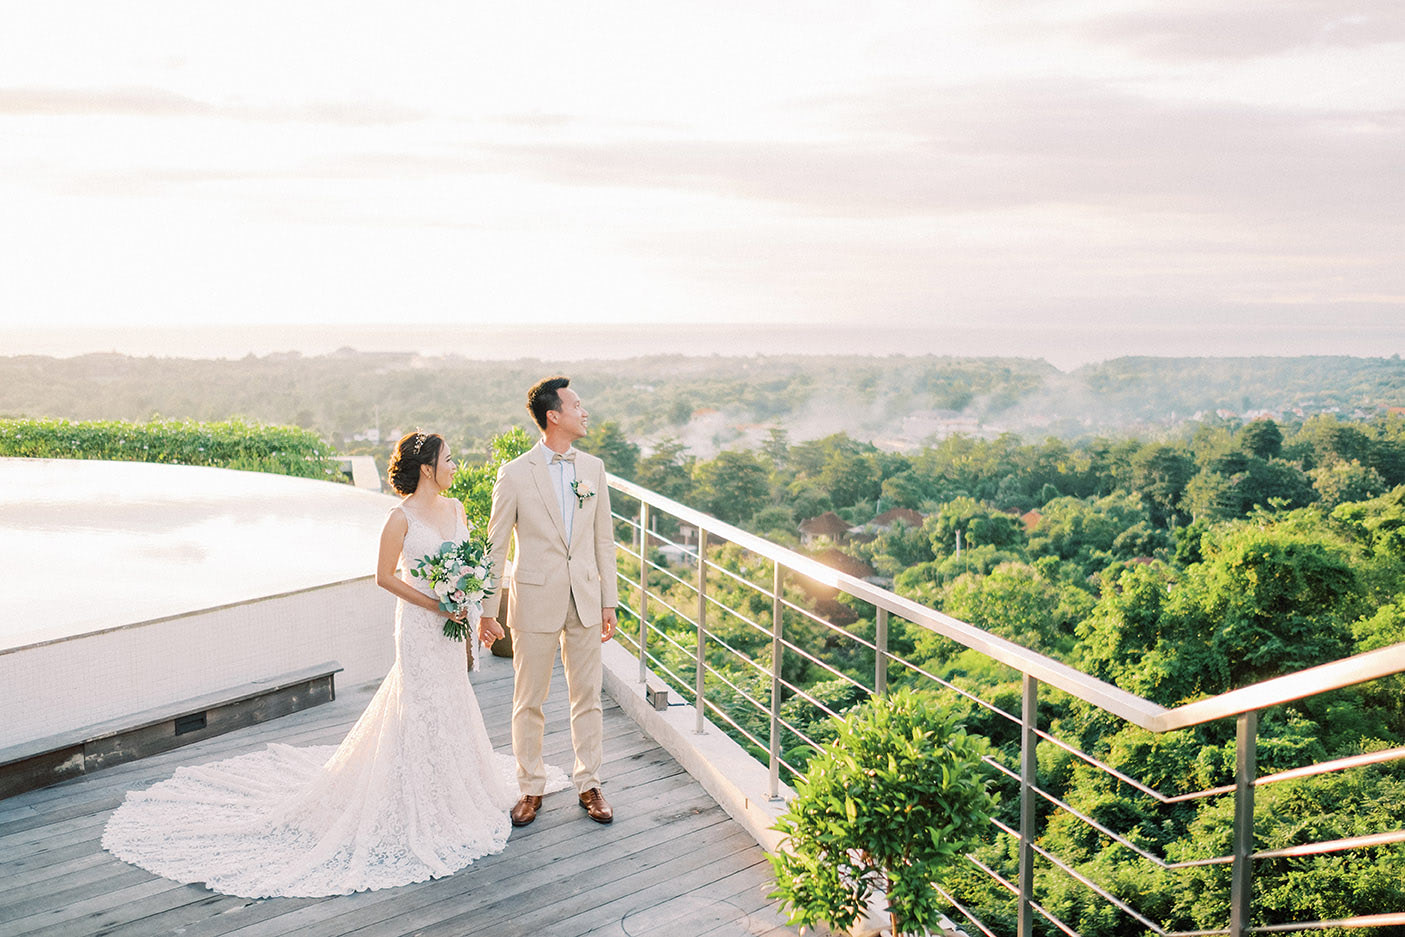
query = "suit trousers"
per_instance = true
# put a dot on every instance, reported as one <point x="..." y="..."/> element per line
<point x="533" y="656"/>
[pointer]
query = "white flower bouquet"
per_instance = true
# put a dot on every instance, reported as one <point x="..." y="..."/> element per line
<point x="461" y="575"/>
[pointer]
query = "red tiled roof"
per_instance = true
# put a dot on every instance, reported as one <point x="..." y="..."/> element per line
<point x="904" y="515"/>
<point x="827" y="524"/>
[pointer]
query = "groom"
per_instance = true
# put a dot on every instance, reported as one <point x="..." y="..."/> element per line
<point x="563" y="591"/>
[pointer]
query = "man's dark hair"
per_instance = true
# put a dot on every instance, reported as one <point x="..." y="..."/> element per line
<point x="544" y="397"/>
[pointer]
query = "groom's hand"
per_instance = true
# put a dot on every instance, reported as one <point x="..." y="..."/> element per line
<point x="608" y="623"/>
<point x="489" y="630"/>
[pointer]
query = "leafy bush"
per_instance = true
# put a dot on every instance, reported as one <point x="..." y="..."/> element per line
<point x="894" y="802"/>
<point x="473" y="484"/>
<point x="235" y="444"/>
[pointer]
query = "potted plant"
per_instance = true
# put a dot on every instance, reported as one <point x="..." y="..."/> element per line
<point x="891" y="805"/>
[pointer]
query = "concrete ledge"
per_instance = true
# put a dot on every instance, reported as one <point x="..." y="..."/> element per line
<point x="737" y="781"/>
<point x="49" y="760"/>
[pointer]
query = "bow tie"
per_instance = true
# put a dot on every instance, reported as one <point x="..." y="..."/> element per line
<point x="568" y="457"/>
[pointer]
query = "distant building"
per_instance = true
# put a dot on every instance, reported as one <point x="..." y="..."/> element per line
<point x="889" y="519"/>
<point x="824" y="598"/>
<point x="828" y="525"/>
<point x="837" y="559"/>
<point x="1030" y="520"/>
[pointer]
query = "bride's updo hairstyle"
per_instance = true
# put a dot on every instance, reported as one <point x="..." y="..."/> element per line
<point x="412" y="451"/>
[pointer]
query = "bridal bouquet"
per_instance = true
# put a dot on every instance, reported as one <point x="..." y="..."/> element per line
<point x="460" y="575"/>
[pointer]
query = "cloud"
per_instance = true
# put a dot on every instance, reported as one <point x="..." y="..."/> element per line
<point x="924" y="151"/>
<point x="1239" y="31"/>
<point x="153" y="102"/>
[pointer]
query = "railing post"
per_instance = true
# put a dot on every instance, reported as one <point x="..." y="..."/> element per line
<point x="1241" y="873"/>
<point x="880" y="653"/>
<point x="773" y="783"/>
<point x="700" y="698"/>
<point x="643" y="589"/>
<point x="1029" y="722"/>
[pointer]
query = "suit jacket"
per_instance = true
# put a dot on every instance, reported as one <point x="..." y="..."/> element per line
<point x="548" y="573"/>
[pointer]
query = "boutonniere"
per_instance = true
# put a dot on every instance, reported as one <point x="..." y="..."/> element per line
<point x="583" y="492"/>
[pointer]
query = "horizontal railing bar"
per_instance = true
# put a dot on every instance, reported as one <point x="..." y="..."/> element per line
<point x="669" y="573"/>
<point x="1128" y="779"/>
<point x="709" y="704"/>
<point x="715" y="637"/>
<point x="829" y="624"/>
<point x="1049" y="916"/>
<point x="1141" y="712"/>
<point x="980" y="925"/>
<point x="999" y="879"/>
<point x="1015" y="891"/>
<point x="760" y="706"/>
<point x="1336" y="675"/>
<point x="1078" y="753"/>
<point x="1338" y="764"/>
<point x="631" y="521"/>
<point x="691" y="552"/>
<point x="1325" y="767"/>
<point x="1367" y="920"/>
<point x="813" y="659"/>
<point x="756" y="626"/>
<point x="665" y="603"/>
<point x="1098" y="889"/>
<point x="664" y="634"/>
<point x="764" y="671"/>
<point x="764" y="590"/>
<point x="916" y="668"/>
<point x="804" y="694"/>
<point x="1122" y="840"/>
<point x="1003" y="769"/>
<point x="1333" y="845"/>
<point x="800" y="735"/>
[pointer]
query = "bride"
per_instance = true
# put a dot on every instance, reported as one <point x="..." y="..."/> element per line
<point x="415" y="790"/>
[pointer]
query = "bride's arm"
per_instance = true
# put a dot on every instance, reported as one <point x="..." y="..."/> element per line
<point x="392" y="541"/>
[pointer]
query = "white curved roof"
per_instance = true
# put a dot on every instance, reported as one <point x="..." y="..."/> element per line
<point x="86" y="546"/>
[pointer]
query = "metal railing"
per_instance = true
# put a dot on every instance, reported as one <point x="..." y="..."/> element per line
<point x="654" y="648"/>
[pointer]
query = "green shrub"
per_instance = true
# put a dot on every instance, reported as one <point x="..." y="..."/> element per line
<point x="235" y="444"/>
<point x="893" y="804"/>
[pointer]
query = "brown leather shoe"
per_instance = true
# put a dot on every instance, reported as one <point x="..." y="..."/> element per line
<point x="525" y="810"/>
<point x="595" y="807"/>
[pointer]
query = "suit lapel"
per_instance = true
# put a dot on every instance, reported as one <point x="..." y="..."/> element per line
<point x="542" y="476"/>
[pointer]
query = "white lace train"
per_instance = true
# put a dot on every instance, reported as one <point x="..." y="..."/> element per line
<point x="414" y="792"/>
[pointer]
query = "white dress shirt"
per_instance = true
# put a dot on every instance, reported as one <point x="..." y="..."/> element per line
<point x="562" y="475"/>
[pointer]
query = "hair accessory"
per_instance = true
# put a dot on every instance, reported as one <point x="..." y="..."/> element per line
<point x="419" y="440"/>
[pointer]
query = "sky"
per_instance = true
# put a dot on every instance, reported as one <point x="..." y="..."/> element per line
<point x="1072" y="180"/>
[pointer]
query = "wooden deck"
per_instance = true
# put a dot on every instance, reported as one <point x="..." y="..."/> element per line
<point x="673" y="864"/>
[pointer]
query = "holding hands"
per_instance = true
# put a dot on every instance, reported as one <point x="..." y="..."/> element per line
<point x="489" y="630"/>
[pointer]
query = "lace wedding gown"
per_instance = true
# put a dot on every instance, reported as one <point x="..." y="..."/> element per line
<point x="414" y="792"/>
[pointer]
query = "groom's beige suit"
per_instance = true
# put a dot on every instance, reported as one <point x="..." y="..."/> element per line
<point x="559" y="588"/>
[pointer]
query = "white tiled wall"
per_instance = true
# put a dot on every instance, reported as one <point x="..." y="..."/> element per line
<point x="68" y="684"/>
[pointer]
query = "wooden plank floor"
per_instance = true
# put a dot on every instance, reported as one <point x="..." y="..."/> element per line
<point x="673" y="864"/>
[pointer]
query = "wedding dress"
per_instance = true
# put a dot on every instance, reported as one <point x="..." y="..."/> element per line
<point x="414" y="792"/>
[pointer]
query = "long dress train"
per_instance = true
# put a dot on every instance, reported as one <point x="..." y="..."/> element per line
<point x="414" y="792"/>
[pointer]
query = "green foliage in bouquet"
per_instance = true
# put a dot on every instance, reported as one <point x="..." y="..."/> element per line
<point x="460" y="575"/>
<point x="891" y="805"/>
<point x="235" y="444"/>
<point x="473" y="484"/>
